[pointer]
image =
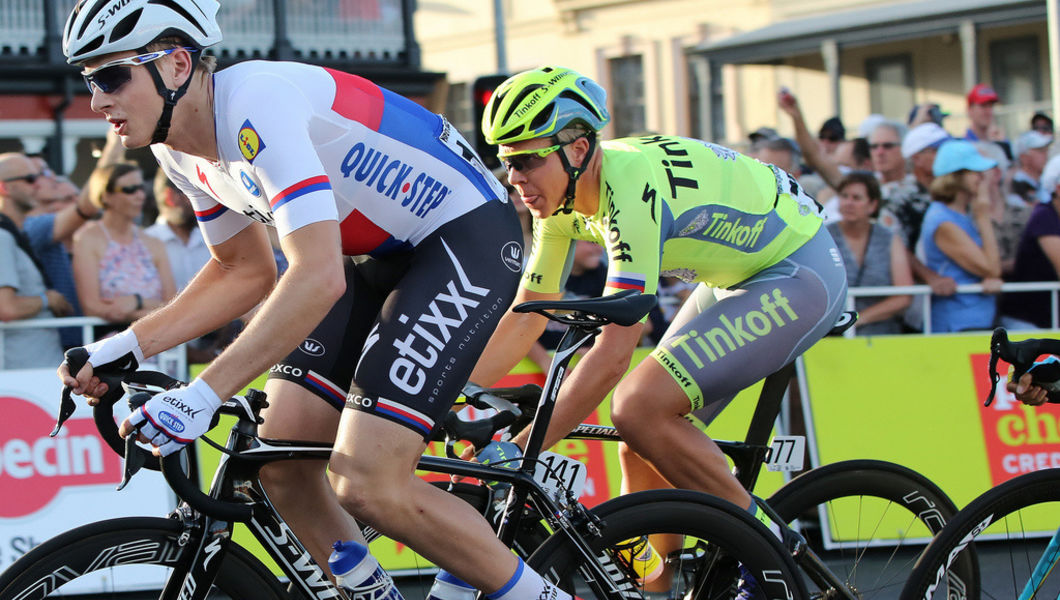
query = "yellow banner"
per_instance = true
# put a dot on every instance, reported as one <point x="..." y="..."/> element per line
<point x="918" y="401"/>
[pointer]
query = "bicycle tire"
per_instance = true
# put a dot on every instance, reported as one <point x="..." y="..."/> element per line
<point x="712" y="522"/>
<point x="880" y="494"/>
<point x="115" y="543"/>
<point x="1005" y="504"/>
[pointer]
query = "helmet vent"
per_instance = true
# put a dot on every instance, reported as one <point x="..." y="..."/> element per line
<point x="581" y="100"/>
<point x="518" y="100"/>
<point x="90" y="17"/>
<point x="95" y="43"/>
<point x="177" y="8"/>
<point x="126" y="25"/>
<point x="542" y="118"/>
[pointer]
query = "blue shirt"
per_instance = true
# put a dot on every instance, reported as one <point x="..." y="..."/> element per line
<point x="959" y="312"/>
<point x="56" y="261"/>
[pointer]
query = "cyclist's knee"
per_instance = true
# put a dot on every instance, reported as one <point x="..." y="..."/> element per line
<point x="367" y="496"/>
<point x="292" y="479"/>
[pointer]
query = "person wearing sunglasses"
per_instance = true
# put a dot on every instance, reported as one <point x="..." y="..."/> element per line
<point x="121" y="273"/>
<point x="660" y="205"/>
<point x="403" y="251"/>
<point x="25" y="290"/>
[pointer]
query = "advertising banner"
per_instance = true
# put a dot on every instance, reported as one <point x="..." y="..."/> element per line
<point x="918" y="401"/>
<point x="50" y="485"/>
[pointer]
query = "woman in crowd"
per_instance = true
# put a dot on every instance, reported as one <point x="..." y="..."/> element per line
<point x="958" y="237"/>
<point x="1037" y="258"/>
<point x="873" y="255"/>
<point x="121" y="274"/>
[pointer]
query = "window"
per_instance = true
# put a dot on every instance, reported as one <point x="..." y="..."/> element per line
<point x="627" y="95"/>
<point x="890" y="85"/>
<point x="1015" y="70"/>
<point x="706" y="101"/>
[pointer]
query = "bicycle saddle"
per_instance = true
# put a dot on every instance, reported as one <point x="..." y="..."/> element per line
<point x="624" y="308"/>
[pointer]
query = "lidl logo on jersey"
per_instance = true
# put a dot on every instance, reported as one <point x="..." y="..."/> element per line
<point x="250" y="143"/>
<point x="392" y="178"/>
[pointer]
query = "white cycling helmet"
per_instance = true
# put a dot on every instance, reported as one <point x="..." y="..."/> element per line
<point x="98" y="27"/>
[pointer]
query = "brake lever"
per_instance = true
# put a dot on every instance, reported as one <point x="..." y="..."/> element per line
<point x="133" y="460"/>
<point x="67" y="406"/>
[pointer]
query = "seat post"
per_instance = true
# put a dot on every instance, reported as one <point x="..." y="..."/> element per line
<point x="748" y="464"/>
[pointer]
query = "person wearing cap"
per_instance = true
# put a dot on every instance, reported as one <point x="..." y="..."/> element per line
<point x="815" y="151"/>
<point x="958" y="238"/>
<point x="981" y="101"/>
<point x="907" y="201"/>
<point x="831" y="134"/>
<point x="1031" y="149"/>
<point x="1037" y="258"/>
<point x="1042" y="123"/>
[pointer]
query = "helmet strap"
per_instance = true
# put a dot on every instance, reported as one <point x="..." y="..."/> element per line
<point x="573" y="173"/>
<point x="169" y="99"/>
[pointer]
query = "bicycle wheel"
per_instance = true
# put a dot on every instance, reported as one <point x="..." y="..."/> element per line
<point x="1009" y="530"/>
<point x="100" y="557"/>
<point x="867" y="520"/>
<point x="716" y="537"/>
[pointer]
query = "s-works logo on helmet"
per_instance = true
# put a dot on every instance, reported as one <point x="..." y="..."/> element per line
<point x="110" y="12"/>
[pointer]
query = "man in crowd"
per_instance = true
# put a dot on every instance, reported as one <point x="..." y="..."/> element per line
<point x="60" y="211"/>
<point x="1031" y="150"/>
<point x="24" y="292"/>
<point x="885" y="146"/>
<point x="981" y="101"/>
<point x="908" y="199"/>
<point x="1042" y="123"/>
<point x="831" y="135"/>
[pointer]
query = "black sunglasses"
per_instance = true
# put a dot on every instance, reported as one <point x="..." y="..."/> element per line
<point x="29" y="178"/>
<point x="131" y="189"/>
<point x="884" y="145"/>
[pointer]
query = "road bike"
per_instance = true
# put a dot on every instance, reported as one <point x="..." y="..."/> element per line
<point x="193" y="545"/>
<point x="1008" y="528"/>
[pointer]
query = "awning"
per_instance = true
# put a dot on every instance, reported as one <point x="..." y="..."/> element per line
<point x="873" y="25"/>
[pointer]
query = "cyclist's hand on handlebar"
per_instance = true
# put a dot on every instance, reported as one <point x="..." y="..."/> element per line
<point x="83" y="383"/>
<point x="173" y="419"/>
<point x="116" y="353"/>
<point x="1026" y="391"/>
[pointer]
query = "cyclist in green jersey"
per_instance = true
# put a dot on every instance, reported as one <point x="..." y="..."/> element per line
<point x="660" y="205"/>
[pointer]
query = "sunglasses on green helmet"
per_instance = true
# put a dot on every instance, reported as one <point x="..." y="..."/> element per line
<point x="525" y="161"/>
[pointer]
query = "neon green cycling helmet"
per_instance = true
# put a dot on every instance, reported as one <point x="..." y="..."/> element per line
<point x="540" y="103"/>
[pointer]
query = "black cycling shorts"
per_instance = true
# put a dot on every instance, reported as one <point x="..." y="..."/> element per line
<point x="404" y="337"/>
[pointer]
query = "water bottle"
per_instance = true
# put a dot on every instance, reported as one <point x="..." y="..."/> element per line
<point x="503" y="453"/>
<point x="358" y="573"/>
<point x="448" y="587"/>
<point x="642" y="558"/>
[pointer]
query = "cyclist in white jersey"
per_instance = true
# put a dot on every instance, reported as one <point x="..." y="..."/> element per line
<point x="341" y="168"/>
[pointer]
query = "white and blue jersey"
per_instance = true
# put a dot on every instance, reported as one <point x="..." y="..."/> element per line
<point x="300" y="144"/>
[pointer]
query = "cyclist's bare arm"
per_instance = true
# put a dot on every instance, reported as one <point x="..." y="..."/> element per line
<point x="240" y="274"/>
<point x="304" y="295"/>
<point x="596" y="374"/>
<point x="511" y="341"/>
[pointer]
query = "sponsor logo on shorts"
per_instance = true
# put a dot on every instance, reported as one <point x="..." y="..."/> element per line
<point x="312" y="347"/>
<point x="709" y="346"/>
<point x="250" y="143"/>
<point x="432" y="330"/>
<point x="512" y="256"/>
<point x="171" y="421"/>
<point x="359" y="401"/>
<point x="286" y="370"/>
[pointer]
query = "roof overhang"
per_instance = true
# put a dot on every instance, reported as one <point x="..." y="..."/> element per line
<point x="866" y="26"/>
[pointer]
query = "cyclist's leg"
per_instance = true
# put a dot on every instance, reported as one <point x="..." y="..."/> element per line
<point x="306" y="396"/>
<point x="426" y="341"/>
<point x="753" y="331"/>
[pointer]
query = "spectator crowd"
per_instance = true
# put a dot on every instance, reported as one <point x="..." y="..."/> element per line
<point x="906" y="203"/>
<point x="915" y="203"/>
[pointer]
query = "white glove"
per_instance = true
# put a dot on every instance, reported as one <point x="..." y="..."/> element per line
<point x="118" y="348"/>
<point x="173" y="419"/>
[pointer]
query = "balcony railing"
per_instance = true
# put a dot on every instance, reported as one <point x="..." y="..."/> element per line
<point x="356" y="30"/>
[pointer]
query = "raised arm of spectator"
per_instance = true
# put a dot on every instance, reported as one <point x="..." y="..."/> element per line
<point x="811" y="153"/>
<point x="901" y="275"/>
<point x="69" y="219"/>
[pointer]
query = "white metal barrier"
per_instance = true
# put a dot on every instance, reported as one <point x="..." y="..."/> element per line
<point x="925" y="293"/>
<point x="173" y="362"/>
